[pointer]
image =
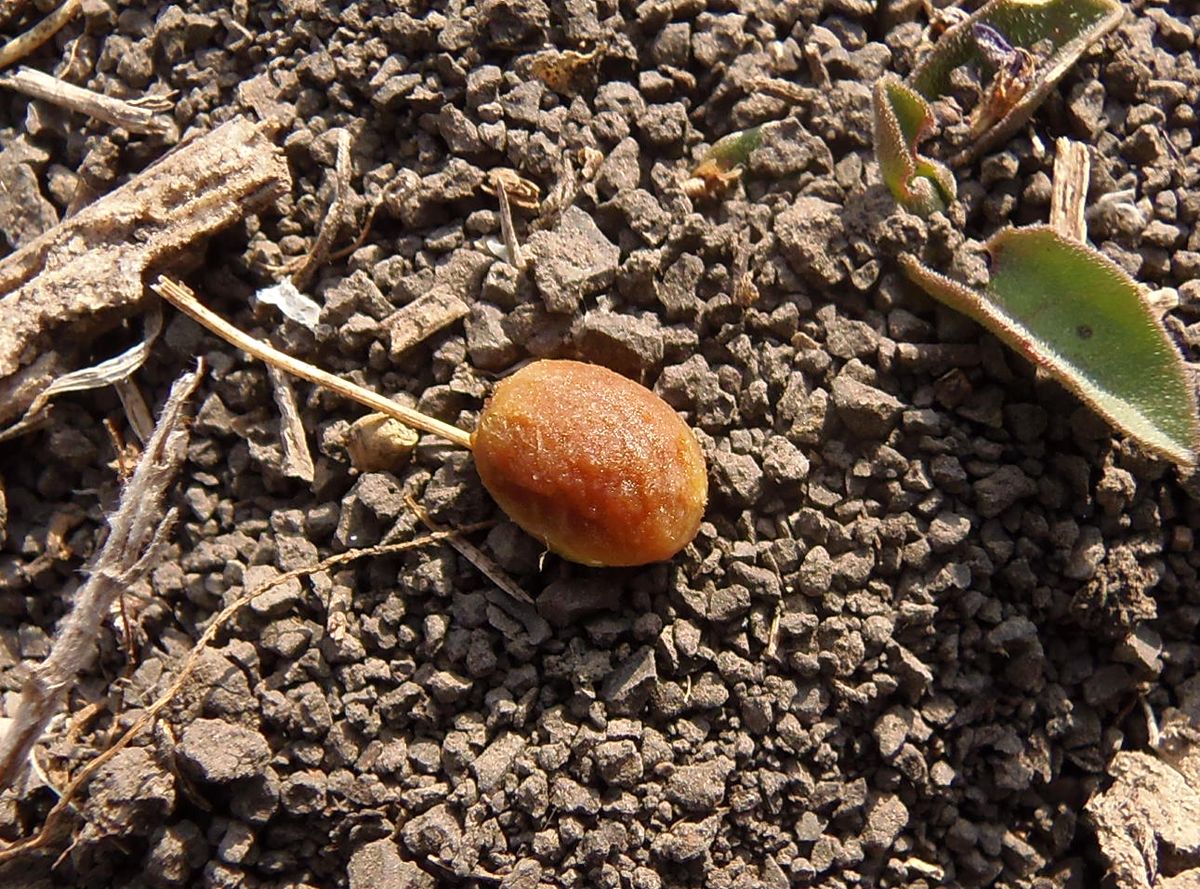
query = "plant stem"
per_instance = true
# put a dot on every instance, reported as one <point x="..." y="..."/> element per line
<point x="184" y="300"/>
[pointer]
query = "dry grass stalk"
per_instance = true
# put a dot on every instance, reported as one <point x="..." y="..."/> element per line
<point x="137" y="531"/>
<point x="515" y="257"/>
<point x="113" y="372"/>
<point x="137" y="412"/>
<point x="140" y="118"/>
<point x="88" y="270"/>
<point x="184" y="300"/>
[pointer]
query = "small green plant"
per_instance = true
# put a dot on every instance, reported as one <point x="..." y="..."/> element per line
<point x="902" y="119"/>
<point x="722" y="164"/>
<point x="1074" y="312"/>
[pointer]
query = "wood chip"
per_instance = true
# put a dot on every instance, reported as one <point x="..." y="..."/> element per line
<point x="1068" y="200"/>
<point x="422" y="318"/>
<point x="76" y="280"/>
<point x="297" y="459"/>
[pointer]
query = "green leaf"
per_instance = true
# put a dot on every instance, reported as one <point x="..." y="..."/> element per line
<point x="733" y="150"/>
<point x="902" y="119"/>
<point x="1071" y="310"/>
<point x="722" y="164"/>
<point x="1057" y="32"/>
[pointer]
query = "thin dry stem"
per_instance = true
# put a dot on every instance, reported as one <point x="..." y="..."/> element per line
<point x="334" y="218"/>
<point x="23" y="44"/>
<point x="184" y="300"/>
<point x="475" y="556"/>
<point x="1072" y="170"/>
<point x="515" y="257"/>
<point x="135" y="536"/>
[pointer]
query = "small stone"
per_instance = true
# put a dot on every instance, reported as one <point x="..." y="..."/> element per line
<point x="891" y="730"/>
<point x="700" y="787"/>
<point x="175" y="851"/>
<point x="886" y="817"/>
<point x="129" y="795"/>
<point x="1001" y="489"/>
<point x="458" y="131"/>
<point x="435" y="833"/>
<point x="564" y="602"/>
<point x="496" y="760"/>
<point x="867" y="412"/>
<point x="256" y="799"/>
<point x="569" y="795"/>
<point x="619" y="763"/>
<point x="737" y="477"/>
<point x="303" y="793"/>
<point x="573" y="261"/>
<point x="449" y="687"/>
<point x="783" y="462"/>
<point x="488" y="342"/>
<point x="816" y="572"/>
<point x="808" y="232"/>
<point x="1142" y="648"/>
<point x="236" y="843"/>
<point x="947" y="531"/>
<point x="630" y="345"/>
<point x="378" y="865"/>
<point x="220" y="752"/>
<point x="626" y="686"/>
<point x="686" y="840"/>
<point x="620" y="170"/>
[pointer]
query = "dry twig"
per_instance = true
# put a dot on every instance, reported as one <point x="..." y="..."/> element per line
<point x="137" y="530"/>
<point x="23" y="44"/>
<point x="475" y="556"/>
<point x="140" y="118"/>
<point x="88" y="269"/>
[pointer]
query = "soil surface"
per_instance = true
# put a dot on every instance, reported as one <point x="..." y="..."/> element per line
<point x="933" y="599"/>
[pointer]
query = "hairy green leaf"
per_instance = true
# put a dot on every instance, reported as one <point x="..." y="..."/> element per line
<point x="722" y="164"/>
<point x="1071" y="310"/>
<point x="1054" y="33"/>
<point x="902" y="119"/>
<point x="734" y="149"/>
